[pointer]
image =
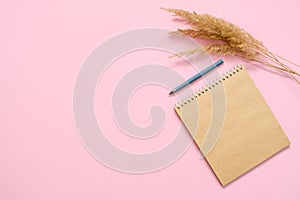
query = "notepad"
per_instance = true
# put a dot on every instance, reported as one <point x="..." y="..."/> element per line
<point x="232" y="125"/>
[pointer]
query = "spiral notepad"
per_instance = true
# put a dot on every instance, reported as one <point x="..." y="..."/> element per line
<point x="232" y="125"/>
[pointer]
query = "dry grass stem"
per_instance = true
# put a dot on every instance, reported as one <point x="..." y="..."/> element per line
<point x="226" y="38"/>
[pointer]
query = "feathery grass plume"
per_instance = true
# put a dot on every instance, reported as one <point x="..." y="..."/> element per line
<point x="226" y="38"/>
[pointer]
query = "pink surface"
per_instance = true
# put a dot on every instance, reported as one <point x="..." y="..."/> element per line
<point x="44" y="43"/>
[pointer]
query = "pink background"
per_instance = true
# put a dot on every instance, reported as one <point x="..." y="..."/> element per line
<point x="43" y="44"/>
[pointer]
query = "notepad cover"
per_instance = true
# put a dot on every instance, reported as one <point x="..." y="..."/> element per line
<point x="250" y="133"/>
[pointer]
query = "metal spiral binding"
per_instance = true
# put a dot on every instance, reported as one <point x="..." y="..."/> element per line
<point x="209" y="86"/>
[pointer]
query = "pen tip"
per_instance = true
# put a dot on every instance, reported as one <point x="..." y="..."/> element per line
<point x="171" y="92"/>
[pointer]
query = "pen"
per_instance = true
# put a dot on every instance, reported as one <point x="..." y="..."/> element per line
<point x="195" y="77"/>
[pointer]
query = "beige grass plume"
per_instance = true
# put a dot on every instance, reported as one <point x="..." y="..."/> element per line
<point x="226" y="38"/>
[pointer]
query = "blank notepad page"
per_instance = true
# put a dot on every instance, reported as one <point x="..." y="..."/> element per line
<point x="248" y="134"/>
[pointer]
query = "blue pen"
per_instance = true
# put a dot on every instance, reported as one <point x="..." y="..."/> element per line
<point x="192" y="79"/>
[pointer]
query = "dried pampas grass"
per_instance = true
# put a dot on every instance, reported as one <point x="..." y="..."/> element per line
<point x="226" y="38"/>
